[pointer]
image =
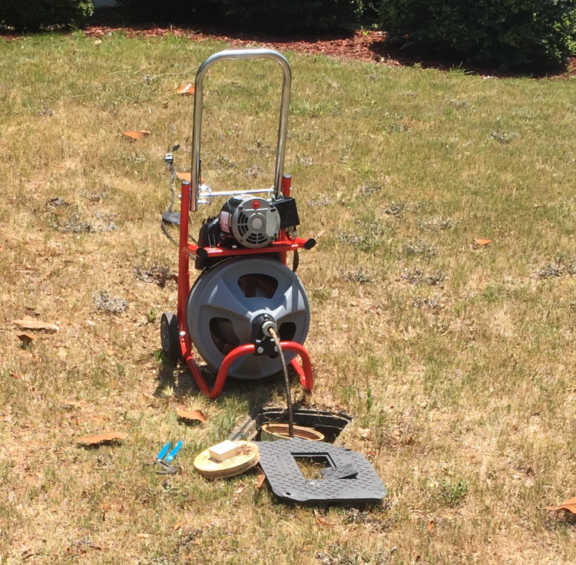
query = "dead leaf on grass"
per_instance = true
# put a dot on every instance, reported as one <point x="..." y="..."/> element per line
<point x="185" y="414"/>
<point x="26" y="338"/>
<point x="102" y="438"/>
<point x="480" y="241"/>
<point x="186" y="89"/>
<point x="30" y="324"/>
<point x="322" y="521"/>
<point x="134" y="135"/>
<point x="187" y="177"/>
<point x="430" y="525"/>
<point x="75" y="404"/>
<point x="569" y="505"/>
<point x="260" y="480"/>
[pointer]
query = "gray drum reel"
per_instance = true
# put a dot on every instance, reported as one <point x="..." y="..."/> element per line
<point x="225" y="301"/>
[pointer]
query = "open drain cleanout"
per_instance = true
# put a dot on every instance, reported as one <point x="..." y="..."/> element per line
<point x="330" y="424"/>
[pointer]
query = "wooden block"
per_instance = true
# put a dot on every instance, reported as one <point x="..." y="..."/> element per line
<point x="224" y="451"/>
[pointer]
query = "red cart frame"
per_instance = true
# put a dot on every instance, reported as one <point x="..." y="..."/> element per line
<point x="194" y="193"/>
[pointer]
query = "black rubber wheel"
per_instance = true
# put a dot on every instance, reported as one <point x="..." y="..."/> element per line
<point x="169" y="335"/>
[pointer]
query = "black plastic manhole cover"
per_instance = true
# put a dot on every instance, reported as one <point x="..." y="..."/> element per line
<point x="349" y="479"/>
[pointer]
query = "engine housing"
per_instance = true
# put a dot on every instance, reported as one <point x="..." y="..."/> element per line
<point x="254" y="222"/>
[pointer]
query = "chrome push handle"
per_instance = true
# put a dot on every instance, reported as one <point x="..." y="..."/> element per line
<point x="233" y="54"/>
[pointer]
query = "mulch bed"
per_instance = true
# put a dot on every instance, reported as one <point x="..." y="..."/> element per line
<point x="359" y="45"/>
<point x="369" y="46"/>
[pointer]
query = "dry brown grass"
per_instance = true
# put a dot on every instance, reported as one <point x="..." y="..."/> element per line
<point x="458" y="359"/>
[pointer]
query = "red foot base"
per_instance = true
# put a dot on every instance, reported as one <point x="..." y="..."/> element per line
<point x="304" y="371"/>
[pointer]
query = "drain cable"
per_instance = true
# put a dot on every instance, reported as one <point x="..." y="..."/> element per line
<point x="274" y="335"/>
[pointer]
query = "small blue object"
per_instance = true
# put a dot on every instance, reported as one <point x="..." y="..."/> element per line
<point x="164" y="458"/>
<point x="163" y="452"/>
<point x="173" y="453"/>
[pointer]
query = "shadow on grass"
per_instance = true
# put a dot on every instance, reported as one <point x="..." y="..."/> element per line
<point x="256" y="393"/>
<point x="385" y="52"/>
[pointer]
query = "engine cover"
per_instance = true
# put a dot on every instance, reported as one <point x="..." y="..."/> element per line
<point x="253" y="222"/>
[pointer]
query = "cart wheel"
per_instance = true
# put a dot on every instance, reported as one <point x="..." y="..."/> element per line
<point x="169" y="335"/>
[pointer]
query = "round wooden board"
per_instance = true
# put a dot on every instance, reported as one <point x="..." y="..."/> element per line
<point x="240" y="463"/>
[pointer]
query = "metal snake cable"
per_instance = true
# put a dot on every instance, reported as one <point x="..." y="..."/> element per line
<point x="276" y="339"/>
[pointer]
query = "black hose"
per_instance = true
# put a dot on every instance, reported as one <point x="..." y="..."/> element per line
<point x="296" y="261"/>
<point x="169" y="210"/>
<point x="167" y="234"/>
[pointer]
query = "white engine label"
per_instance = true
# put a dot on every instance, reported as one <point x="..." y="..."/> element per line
<point x="225" y="221"/>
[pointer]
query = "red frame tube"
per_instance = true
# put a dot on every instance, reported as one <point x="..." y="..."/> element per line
<point x="283" y="245"/>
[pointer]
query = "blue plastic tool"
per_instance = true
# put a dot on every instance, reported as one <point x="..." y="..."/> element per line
<point x="164" y="458"/>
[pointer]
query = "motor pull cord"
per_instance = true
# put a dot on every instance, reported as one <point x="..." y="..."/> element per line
<point x="274" y="335"/>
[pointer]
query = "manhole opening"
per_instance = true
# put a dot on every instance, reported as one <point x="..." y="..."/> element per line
<point x="330" y="424"/>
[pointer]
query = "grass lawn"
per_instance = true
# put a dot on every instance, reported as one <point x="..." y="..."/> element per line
<point x="456" y="360"/>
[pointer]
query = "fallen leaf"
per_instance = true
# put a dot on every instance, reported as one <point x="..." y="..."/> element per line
<point x="323" y="522"/>
<point x="187" y="89"/>
<point x="187" y="177"/>
<point x="30" y="324"/>
<point x="102" y="438"/>
<point x="75" y="404"/>
<point x="569" y="505"/>
<point x="136" y="134"/>
<point x="430" y="525"/>
<point x="479" y="241"/>
<point x="26" y="338"/>
<point x="178" y="526"/>
<point x="143" y="536"/>
<point x="240" y="490"/>
<point x="191" y="414"/>
<point x="260" y="480"/>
